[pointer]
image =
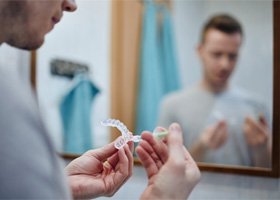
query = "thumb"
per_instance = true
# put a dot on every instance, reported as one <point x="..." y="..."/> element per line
<point x="175" y="141"/>
<point x="262" y="120"/>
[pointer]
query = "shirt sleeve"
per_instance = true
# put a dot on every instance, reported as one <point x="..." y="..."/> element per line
<point x="29" y="165"/>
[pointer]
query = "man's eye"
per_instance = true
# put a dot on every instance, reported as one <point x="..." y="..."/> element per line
<point x="216" y="54"/>
<point x="232" y="57"/>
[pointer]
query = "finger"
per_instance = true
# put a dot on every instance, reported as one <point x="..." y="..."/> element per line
<point x="247" y="130"/>
<point x="257" y="128"/>
<point x="148" y="148"/>
<point x="122" y="167"/>
<point x="175" y="142"/>
<point x="113" y="160"/>
<point x="261" y="139"/>
<point x="212" y="130"/>
<point x="158" y="146"/>
<point x="262" y="120"/>
<point x="221" y="129"/>
<point x="103" y="153"/>
<point x="214" y="137"/>
<point x="126" y="174"/>
<point x="218" y="125"/>
<point x="131" y="146"/>
<point x="147" y="161"/>
<point x="130" y="161"/>
<point x="220" y="136"/>
<point x="122" y="170"/>
<point x="148" y="137"/>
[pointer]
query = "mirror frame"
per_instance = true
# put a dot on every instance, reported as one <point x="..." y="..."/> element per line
<point x="124" y="54"/>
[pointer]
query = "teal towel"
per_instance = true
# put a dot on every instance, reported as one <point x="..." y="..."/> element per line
<point x="150" y="89"/>
<point x="75" y="110"/>
<point x="158" y="73"/>
<point x="171" y="79"/>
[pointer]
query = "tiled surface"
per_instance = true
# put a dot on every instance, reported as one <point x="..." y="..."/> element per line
<point x="211" y="186"/>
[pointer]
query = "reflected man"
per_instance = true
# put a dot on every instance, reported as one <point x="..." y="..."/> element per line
<point x="222" y="123"/>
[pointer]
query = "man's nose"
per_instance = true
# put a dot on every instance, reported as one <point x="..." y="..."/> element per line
<point x="225" y="63"/>
<point x="69" y="5"/>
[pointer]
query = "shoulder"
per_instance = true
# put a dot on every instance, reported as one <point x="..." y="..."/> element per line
<point x="25" y="146"/>
<point x="245" y="96"/>
<point x="190" y="94"/>
<point x="180" y="95"/>
<point x="15" y="94"/>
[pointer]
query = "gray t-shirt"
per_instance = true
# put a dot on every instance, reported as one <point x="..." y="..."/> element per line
<point x="195" y="109"/>
<point x="29" y="165"/>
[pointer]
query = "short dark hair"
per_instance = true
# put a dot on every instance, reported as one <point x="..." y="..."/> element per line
<point x="222" y="22"/>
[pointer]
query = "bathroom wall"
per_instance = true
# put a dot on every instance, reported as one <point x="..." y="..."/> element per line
<point x="84" y="37"/>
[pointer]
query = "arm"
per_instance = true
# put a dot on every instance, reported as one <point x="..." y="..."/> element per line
<point x="171" y="171"/>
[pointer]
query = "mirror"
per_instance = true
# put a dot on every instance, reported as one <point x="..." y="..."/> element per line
<point x="188" y="19"/>
<point x="104" y="36"/>
<point x="221" y="124"/>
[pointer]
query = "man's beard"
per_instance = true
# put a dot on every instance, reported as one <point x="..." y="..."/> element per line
<point x="20" y="35"/>
<point x="25" y="45"/>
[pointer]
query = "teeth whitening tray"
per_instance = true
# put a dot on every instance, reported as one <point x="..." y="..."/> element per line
<point x="127" y="136"/>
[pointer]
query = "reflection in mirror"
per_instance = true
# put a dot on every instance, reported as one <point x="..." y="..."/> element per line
<point x="225" y="54"/>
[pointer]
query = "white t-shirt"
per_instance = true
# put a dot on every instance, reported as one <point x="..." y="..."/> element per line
<point x="29" y="165"/>
<point x="195" y="109"/>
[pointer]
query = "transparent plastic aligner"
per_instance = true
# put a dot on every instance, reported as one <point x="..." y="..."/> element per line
<point x="126" y="135"/>
<point x="119" y="125"/>
<point x="120" y="142"/>
<point x="218" y="115"/>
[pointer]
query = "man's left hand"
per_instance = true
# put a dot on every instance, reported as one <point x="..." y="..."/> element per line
<point x="100" y="172"/>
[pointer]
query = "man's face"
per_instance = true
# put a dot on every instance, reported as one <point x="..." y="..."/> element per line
<point x="219" y="54"/>
<point x="33" y="19"/>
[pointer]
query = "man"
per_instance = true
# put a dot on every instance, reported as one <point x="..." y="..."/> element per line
<point x="222" y="124"/>
<point x="29" y="165"/>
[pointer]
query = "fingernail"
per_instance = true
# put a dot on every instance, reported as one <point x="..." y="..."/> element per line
<point x="175" y="128"/>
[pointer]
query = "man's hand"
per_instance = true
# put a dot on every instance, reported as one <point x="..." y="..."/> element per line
<point x="100" y="172"/>
<point x="256" y="132"/>
<point x="171" y="171"/>
<point x="258" y="138"/>
<point x="215" y="136"/>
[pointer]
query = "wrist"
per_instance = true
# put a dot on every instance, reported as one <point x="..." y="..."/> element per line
<point x="158" y="194"/>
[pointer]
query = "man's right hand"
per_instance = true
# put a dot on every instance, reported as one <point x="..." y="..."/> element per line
<point x="171" y="171"/>
<point x="215" y="136"/>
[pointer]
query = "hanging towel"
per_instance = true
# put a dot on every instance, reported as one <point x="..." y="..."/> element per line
<point x="168" y="61"/>
<point x="75" y="110"/>
<point x="158" y="65"/>
<point x="150" y="89"/>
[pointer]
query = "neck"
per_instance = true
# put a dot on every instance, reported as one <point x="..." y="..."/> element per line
<point x="212" y="87"/>
<point x="2" y="38"/>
